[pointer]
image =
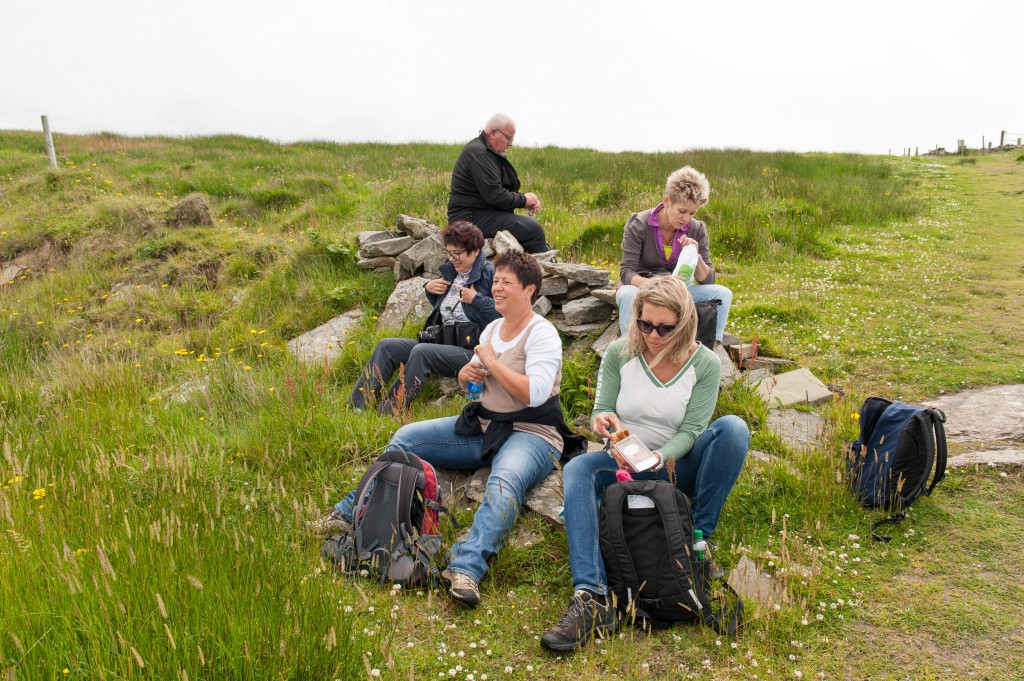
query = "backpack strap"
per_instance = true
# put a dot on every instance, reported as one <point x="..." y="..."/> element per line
<point x="937" y="419"/>
<point x="894" y="519"/>
<point x="614" y="499"/>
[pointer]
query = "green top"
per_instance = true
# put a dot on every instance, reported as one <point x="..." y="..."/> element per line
<point x="667" y="417"/>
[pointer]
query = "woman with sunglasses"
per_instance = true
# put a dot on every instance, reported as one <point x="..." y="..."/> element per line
<point x="462" y="294"/>
<point x="653" y="240"/>
<point x="661" y="385"/>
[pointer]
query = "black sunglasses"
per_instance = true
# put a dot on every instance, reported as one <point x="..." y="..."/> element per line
<point x="664" y="330"/>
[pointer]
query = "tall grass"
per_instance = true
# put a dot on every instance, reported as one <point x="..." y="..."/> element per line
<point x="161" y="448"/>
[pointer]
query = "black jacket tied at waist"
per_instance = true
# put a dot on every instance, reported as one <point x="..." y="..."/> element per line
<point x="500" y="428"/>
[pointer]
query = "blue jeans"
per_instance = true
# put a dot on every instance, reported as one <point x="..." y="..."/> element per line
<point x="706" y="475"/>
<point x="522" y="462"/>
<point x="626" y="293"/>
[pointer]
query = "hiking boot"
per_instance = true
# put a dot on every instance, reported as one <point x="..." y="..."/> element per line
<point x="585" y="618"/>
<point x="464" y="588"/>
<point x="327" y="525"/>
<point x="712" y="571"/>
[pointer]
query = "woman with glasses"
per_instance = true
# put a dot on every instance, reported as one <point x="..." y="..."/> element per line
<point x="661" y="385"/>
<point x="462" y="294"/>
<point x="653" y="240"/>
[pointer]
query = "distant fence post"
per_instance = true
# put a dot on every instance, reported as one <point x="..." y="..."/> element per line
<point x="1002" y="137"/>
<point x="49" y="143"/>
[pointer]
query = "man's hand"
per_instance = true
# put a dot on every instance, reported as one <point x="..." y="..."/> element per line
<point x="532" y="203"/>
<point x="438" y="286"/>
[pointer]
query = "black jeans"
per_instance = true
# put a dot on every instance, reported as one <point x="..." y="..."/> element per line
<point x="527" y="231"/>
<point x="420" y="360"/>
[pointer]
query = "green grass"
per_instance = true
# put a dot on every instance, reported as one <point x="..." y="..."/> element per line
<point x="140" y="513"/>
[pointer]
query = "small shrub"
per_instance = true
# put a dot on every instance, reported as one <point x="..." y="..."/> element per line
<point x="194" y="209"/>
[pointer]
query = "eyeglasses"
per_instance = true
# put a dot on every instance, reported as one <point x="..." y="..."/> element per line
<point x="664" y="330"/>
<point x="454" y="254"/>
<point x="509" y="138"/>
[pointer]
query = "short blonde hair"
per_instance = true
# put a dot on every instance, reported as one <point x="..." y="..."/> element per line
<point x="670" y="293"/>
<point x="688" y="184"/>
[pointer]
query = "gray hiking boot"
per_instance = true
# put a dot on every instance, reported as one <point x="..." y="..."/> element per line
<point x="463" y="588"/>
<point x="585" y="618"/>
<point x="327" y="525"/>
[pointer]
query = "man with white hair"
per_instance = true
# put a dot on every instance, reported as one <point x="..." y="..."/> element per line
<point x="485" y="188"/>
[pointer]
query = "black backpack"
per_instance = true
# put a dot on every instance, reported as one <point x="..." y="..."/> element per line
<point x="652" y="570"/>
<point x="890" y="464"/>
<point x="707" y="321"/>
<point x="395" y="534"/>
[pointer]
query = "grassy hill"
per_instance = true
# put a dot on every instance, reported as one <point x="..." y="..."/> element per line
<point x="152" y="529"/>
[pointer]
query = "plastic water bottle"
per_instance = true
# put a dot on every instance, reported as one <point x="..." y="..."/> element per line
<point x="699" y="545"/>
<point x="473" y="390"/>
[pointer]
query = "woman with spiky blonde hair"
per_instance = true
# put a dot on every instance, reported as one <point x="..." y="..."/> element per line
<point x="653" y="240"/>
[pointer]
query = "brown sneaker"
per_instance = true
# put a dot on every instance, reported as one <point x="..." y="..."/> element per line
<point x="587" y="617"/>
<point x="464" y="588"/>
<point x="327" y="525"/>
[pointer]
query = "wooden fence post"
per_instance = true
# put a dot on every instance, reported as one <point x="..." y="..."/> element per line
<point x="49" y="143"/>
<point x="1002" y="137"/>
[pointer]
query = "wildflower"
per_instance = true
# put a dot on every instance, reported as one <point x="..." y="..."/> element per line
<point x="39" y="493"/>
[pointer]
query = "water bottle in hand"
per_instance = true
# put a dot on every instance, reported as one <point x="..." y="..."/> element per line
<point x="473" y="390"/>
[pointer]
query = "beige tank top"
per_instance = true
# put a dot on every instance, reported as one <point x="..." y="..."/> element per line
<point x="496" y="398"/>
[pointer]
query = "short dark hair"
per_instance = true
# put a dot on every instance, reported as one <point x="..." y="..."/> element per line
<point x="525" y="268"/>
<point x="465" y="234"/>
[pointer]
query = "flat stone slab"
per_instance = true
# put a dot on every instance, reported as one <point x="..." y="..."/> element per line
<point x="587" y="274"/>
<point x="370" y="237"/>
<point x="800" y="430"/>
<point x="610" y="335"/>
<point x="406" y="301"/>
<point x="995" y="413"/>
<point x="546" y="256"/>
<point x="426" y="251"/>
<point x="394" y="246"/>
<point x="417" y="228"/>
<point x="324" y="343"/>
<point x="545" y="498"/>
<point x="586" y="310"/>
<point x="997" y="457"/>
<point x="553" y="286"/>
<point x="578" y="329"/>
<point x="753" y="584"/>
<point x="385" y="262"/>
<point x="504" y="242"/>
<point x="795" y="387"/>
<point x="605" y="294"/>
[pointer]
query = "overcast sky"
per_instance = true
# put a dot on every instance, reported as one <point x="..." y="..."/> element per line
<point x="860" y="75"/>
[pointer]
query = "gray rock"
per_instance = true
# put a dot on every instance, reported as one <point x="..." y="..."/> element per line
<point x="546" y="256"/>
<point x="544" y="498"/>
<point x="382" y="262"/>
<point x="586" y="310"/>
<point x="553" y="286"/>
<point x="524" y="537"/>
<point x="542" y="306"/>
<point x="729" y="371"/>
<point x="427" y="249"/>
<point x="998" y="457"/>
<point x="10" y="274"/>
<point x="605" y="294"/>
<point x="755" y="376"/>
<point x="364" y="238"/>
<point x="407" y="301"/>
<point x="577" y="291"/>
<point x="587" y="274"/>
<point x="591" y="329"/>
<point x="995" y="413"/>
<point x="504" y="242"/>
<point x="452" y="485"/>
<point x="324" y="343"/>
<point x="417" y="228"/>
<point x="183" y="393"/>
<point x="755" y="585"/>
<point x="800" y="430"/>
<point x="605" y="339"/>
<point x="770" y="363"/>
<point x="399" y="272"/>
<point x="387" y="247"/>
<point x="729" y="339"/>
<point x="795" y="387"/>
<point x="488" y="248"/>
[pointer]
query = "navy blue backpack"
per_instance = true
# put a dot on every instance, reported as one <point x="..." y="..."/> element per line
<point x="890" y="465"/>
